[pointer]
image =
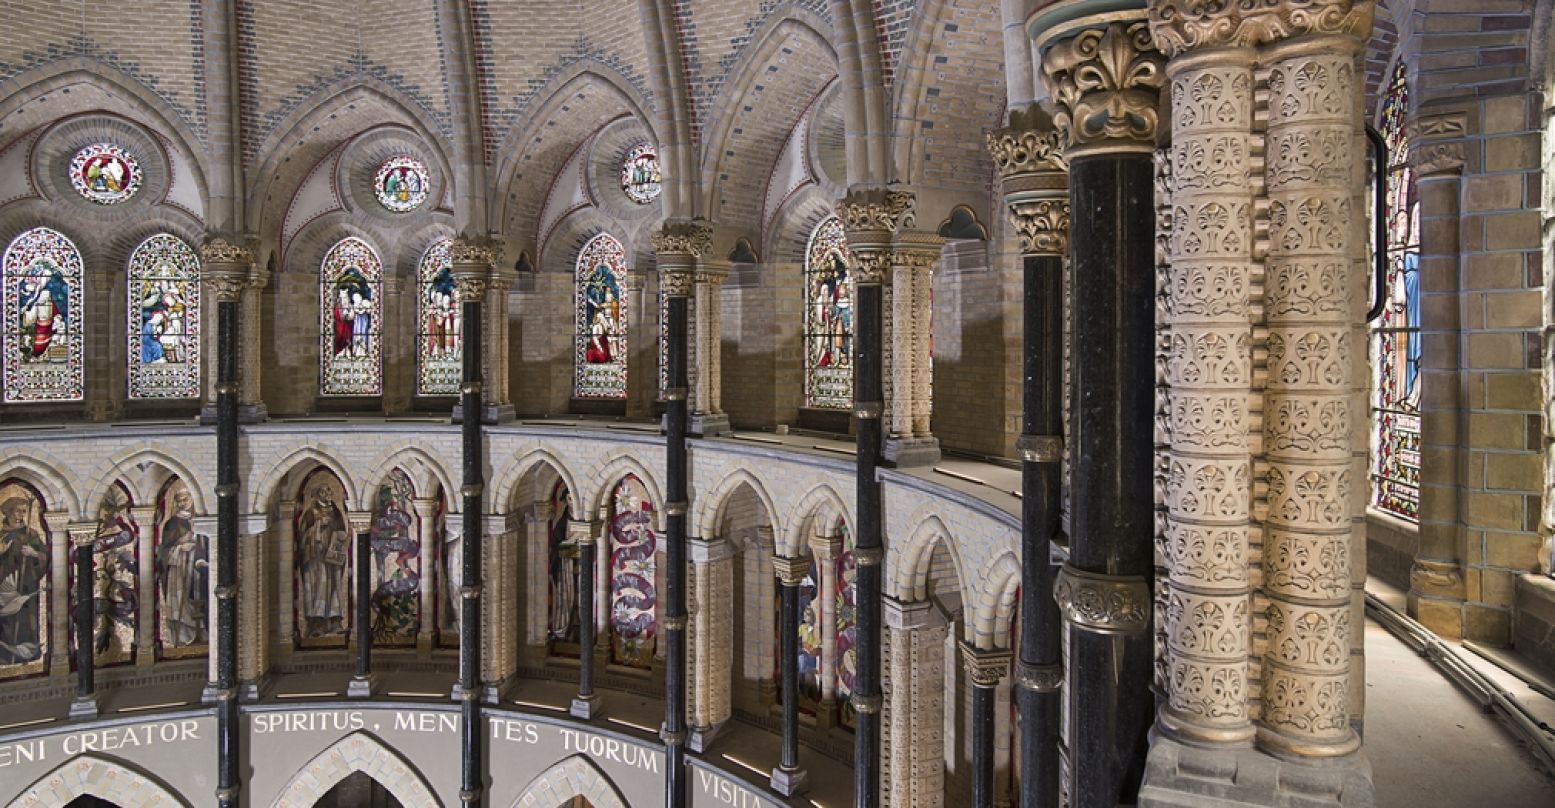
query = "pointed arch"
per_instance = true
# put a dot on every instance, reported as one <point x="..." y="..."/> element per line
<point x="711" y="506"/>
<point x="993" y="603"/>
<point x="357" y="752"/>
<point x="576" y="776"/>
<point x="92" y="776"/>
<point x="295" y="466"/>
<point x="145" y="486"/>
<point x="812" y="505"/>
<point x="426" y="473"/>
<point x="603" y="478"/>
<point x="45" y="478"/>
<point x="504" y="486"/>
<point x="907" y="562"/>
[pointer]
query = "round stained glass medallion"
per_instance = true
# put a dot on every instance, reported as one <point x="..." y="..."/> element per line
<point x="401" y="185"/>
<point x="640" y="177"/>
<point x="105" y="173"/>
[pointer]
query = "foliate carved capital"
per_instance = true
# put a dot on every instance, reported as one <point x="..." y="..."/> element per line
<point x="1042" y="224"/>
<point x="360" y="522"/>
<point x="1031" y="144"/>
<point x="877" y="210"/>
<point x="221" y="251"/>
<point x="1183" y="25"/>
<point x="693" y="238"/>
<point x="985" y="666"/>
<point x="676" y="282"/>
<point x="1040" y="678"/>
<point x="225" y="268"/>
<point x="872" y="267"/>
<point x="472" y="262"/>
<point x="226" y="285"/>
<point x="1103" y="604"/>
<point x="791" y="570"/>
<point x="1438" y="158"/>
<point x="1107" y="81"/>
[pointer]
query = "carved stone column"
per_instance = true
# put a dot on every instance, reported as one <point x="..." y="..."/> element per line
<point x="228" y="271"/>
<point x="254" y="616"/>
<point x="706" y="331"/>
<point x="825" y="550"/>
<point x="426" y="528"/>
<point x="788" y="778"/>
<point x="476" y="272"/>
<point x="1106" y="75"/>
<point x="537" y="585"/>
<point x="908" y="375"/>
<point x="712" y="638"/>
<point x="361" y="685"/>
<point x="915" y="705"/>
<point x="146" y="580"/>
<point x="285" y="558"/>
<point x="497" y="399"/>
<point x="984" y="669"/>
<point x="1029" y="156"/>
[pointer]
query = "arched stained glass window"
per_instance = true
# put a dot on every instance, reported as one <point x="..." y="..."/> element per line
<point x="350" y="313"/>
<point x="847" y="627"/>
<point x="43" y="354"/>
<point x="439" y="347"/>
<point x="163" y="326"/>
<point x="828" y="319"/>
<point x="183" y="558"/>
<point x="634" y="615"/>
<point x="395" y="541"/>
<point x="1396" y="334"/>
<point x="600" y="355"/>
<point x="115" y="581"/>
<point x="24" y="626"/>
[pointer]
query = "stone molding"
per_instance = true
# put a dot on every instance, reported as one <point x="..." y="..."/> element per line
<point x="1104" y="604"/>
<point x="791" y="570"/>
<point x="1179" y="26"/>
<point x="985" y="666"/>
<point x="693" y="238"/>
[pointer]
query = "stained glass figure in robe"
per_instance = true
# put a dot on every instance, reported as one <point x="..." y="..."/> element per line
<point x="164" y="319"/>
<point x="847" y="627"/>
<point x="395" y="543"/>
<point x="1396" y="334"/>
<point x="115" y="581"/>
<point x="828" y="319"/>
<point x="183" y="575"/>
<point x="323" y="562"/>
<point x="601" y="311"/>
<point x="401" y="184"/>
<point x="42" y="276"/>
<point x="633" y="566"/>
<point x="24" y="581"/>
<point x="641" y="179"/>
<point x="350" y="312"/>
<point x="105" y="173"/>
<point x="439" y="348"/>
<point x="562" y="554"/>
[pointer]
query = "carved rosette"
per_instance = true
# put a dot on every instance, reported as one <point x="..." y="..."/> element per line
<point x="226" y="268"/>
<point x="985" y="666"/>
<point x="1107" y="81"/>
<point x="1183" y="25"/>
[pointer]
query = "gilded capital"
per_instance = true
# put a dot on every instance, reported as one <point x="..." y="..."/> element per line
<point x="1107" y="81"/>
<point x="1180" y="26"/>
<point x="871" y="267"/>
<point x="985" y="667"/>
<point x="472" y="262"/>
<point x="685" y="237"/>
<point x="791" y="570"/>
<point x="676" y="282"/>
<point x="1031" y="144"/>
<point x="1029" y="155"/>
<point x="877" y="209"/>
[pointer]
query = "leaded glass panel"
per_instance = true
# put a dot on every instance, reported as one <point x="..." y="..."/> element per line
<point x="43" y="353"/>
<point x="600" y="344"/>
<point x="350" y="314"/>
<point x="439" y="345"/>
<point x="828" y="319"/>
<point x="641" y="178"/>
<point x="163" y="311"/>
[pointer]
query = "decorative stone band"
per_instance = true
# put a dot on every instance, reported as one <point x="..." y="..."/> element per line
<point x="674" y="623"/>
<point x="675" y="507"/>
<point x="868" y="409"/>
<point x="677" y="282"/>
<point x="360" y="522"/>
<point x="580" y="533"/>
<point x="1103" y="604"/>
<point x="227" y="490"/>
<point x="1183" y="25"/>
<point x="1039" y="678"/>
<point x="470" y="388"/>
<point x="226" y="389"/>
<point x="868" y="705"/>
<point x="1107" y="81"/>
<point x="692" y="238"/>
<point x="676" y="393"/>
<point x="82" y="535"/>
<point x="1030" y="145"/>
<point x="791" y="570"/>
<point x="985" y="666"/>
<point x="471" y="489"/>
<point x="472" y="262"/>
<point x="470" y="592"/>
<point x="868" y="556"/>
<point x="675" y="737"/>
<point x="1040" y="448"/>
<point x="221" y="251"/>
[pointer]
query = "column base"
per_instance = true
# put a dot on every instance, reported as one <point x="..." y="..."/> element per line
<point x="587" y="707"/>
<point x="1182" y="776"/>
<point x="708" y="425"/>
<point x="84" y="707"/>
<point x="790" y="782"/>
<point x="247" y="413"/>
<point x="491" y="692"/>
<point x="490" y="413"/>
<point x="701" y="738"/>
<point x="361" y="687"/>
<point x="909" y="452"/>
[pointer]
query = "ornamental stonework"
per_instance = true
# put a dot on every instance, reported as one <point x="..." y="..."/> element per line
<point x="1107" y="82"/>
<point x="1183" y="25"/>
<point x="877" y="210"/>
<point x="691" y="238"/>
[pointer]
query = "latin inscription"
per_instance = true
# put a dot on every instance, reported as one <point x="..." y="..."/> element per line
<point x="106" y="739"/>
<point x="351" y="721"/>
<point x="723" y="791"/>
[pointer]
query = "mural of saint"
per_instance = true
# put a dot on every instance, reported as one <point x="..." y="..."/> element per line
<point x="104" y="173"/>
<point x="183" y="574"/>
<point x="115" y="580"/>
<point x="323" y="559"/>
<point x="562" y="623"/>
<point x="633" y="594"/>
<point x="451" y="544"/>
<point x="44" y="306"/>
<point x="396" y="555"/>
<point x="847" y="627"/>
<point x="24" y="575"/>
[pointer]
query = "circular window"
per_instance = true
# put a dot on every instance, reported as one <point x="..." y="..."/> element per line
<point x="640" y="175"/>
<point x="105" y="173"/>
<point x="401" y="184"/>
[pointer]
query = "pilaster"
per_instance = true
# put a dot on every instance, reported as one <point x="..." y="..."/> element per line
<point x="915" y="704"/>
<point x="712" y="638"/>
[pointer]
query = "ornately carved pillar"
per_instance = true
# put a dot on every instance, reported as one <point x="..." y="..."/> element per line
<point x="224" y="261"/>
<point x="712" y="637"/>
<point x="915" y="705"/>
<point x="707" y="415"/>
<point x="788" y="778"/>
<point x="984" y="669"/>
<point x="906" y="363"/>
<point x="479" y="261"/>
<point x="1105" y="75"/>
<point x="495" y="392"/>
<point x="1029" y="156"/>
<point x="426" y="524"/>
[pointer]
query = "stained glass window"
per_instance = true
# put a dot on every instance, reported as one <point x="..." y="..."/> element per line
<point x="562" y="598"/>
<point x="439" y="347"/>
<point x="183" y="575"/>
<point x="164" y="319"/>
<point x="401" y="184"/>
<point x="633" y="593"/>
<point x="43" y="354"/>
<point x="847" y="627"/>
<point x="350" y="311"/>
<point x="640" y="175"/>
<point x="600" y="346"/>
<point x="828" y="319"/>
<point x="25" y="567"/>
<point x="395" y="542"/>
<point x="322" y="562"/>
<point x="115" y="581"/>
<point x="105" y="173"/>
<point x="1396" y="334"/>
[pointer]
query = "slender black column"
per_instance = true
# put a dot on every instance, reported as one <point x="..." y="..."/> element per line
<point x="788" y="779"/>
<point x="472" y="778"/>
<point x="982" y="746"/>
<point x="361" y="685"/>
<point x="869" y="548"/>
<point x="674" y="732"/>
<point x="227" y="725"/>
<point x="86" y="637"/>
<point x="1111" y="517"/>
<point x="586" y="704"/>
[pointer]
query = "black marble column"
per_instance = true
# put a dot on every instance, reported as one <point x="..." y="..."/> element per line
<point x="86" y="638"/>
<point x="869" y="549"/>
<point x="472" y="778"/>
<point x="1112" y="497"/>
<point x="361" y="684"/>
<point x="982" y="746"/>
<point x="788" y="779"/>
<point x="228" y="728"/>
<point x="674" y="622"/>
<point x="586" y="704"/>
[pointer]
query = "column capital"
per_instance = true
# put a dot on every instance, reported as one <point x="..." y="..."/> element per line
<point x="691" y="238"/>
<point x="81" y="533"/>
<point x="904" y="615"/>
<point x="985" y="666"/>
<point x="580" y="532"/>
<point x="1029" y="155"/>
<point x="1106" y="75"/>
<point x="472" y="260"/>
<point x="871" y="216"/>
<point x="706" y="551"/>
<point x="1103" y="604"/>
<point x="220" y="250"/>
<point x="825" y="548"/>
<point x="791" y="569"/>
<point x="361" y="521"/>
<point x="1179" y="26"/>
<point x="226" y="267"/>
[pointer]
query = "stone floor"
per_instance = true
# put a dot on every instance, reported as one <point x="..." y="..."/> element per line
<point x="1430" y="744"/>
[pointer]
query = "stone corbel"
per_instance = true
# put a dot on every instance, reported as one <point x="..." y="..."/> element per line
<point x="1106" y="76"/>
<point x="985" y="666"/>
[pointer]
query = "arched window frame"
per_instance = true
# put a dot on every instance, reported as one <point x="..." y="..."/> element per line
<point x="40" y="263"/>
<point x="439" y="335"/>
<point x="162" y="319"/>
<point x="600" y="359"/>
<point x="828" y="318"/>
<point x="350" y="349"/>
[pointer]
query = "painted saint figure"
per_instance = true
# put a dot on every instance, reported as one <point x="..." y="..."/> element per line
<point x="562" y="624"/>
<point x="633" y="568"/>
<point x="183" y="570"/>
<point x="115" y="577"/>
<point x="24" y="568"/>
<point x="162" y="323"/>
<point x="396" y="555"/>
<point x="323" y="551"/>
